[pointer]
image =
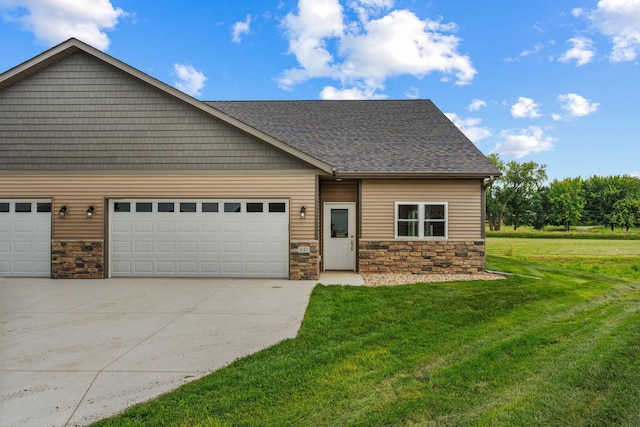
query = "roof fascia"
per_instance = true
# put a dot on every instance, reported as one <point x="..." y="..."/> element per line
<point x="74" y="45"/>
<point x="393" y="175"/>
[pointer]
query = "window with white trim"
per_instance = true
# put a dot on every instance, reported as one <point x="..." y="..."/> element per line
<point x="421" y="220"/>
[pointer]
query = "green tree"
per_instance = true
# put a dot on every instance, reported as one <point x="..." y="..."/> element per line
<point x="626" y="213"/>
<point x="541" y="208"/>
<point x="566" y="201"/>
<point x="510" y="198"/>
<point x="601" y="193"/>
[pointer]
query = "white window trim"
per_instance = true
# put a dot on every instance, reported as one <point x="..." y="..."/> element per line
<point x="421" y="221"/>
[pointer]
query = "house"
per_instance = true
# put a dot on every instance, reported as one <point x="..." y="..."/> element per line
<point x="108" y="172"/>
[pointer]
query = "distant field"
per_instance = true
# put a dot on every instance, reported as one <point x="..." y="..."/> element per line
<point x="513" y="246"/>
<point x="618" y="258"/>
<point x="581" y="232"/>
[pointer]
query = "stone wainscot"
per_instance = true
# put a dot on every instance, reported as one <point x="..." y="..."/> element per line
<point x="421" y="257"/>
<point x="77" y="259"/>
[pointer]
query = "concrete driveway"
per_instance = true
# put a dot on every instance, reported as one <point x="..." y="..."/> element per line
<point x="75" y="351"/>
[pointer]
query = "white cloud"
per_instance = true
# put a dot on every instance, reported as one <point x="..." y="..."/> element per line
<point x="619" y="20"/>
<point x="365" y="8"/>
<point x="413" y="93"/>
<point x="576" y="105"/>
<point x="536" y="48"/>
<point x="477" y="104"/>
<point x="366" y="52"/>
<point x="576" y="12"/>
<point x="240" y="28"/>
<point x="331" y="93"/>
<point x="190" y="80"/>
<point x="636" y="174"/>
<point x="308" y="32"/>
<point x="470" y="127"/>
<point x="53" y="21"/>
<point x="525" y="107"/>
<point x="528" y="141"/>
<point x="556" y="117"/>
<point x="582" y="51"/>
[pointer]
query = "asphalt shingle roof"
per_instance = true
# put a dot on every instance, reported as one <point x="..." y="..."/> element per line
<point x="388" y="136"/>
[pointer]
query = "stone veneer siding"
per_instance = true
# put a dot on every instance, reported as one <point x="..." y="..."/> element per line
<point x="422" y="257"/>
<point x="77" y="259"/>
<point x="303" y="266"/>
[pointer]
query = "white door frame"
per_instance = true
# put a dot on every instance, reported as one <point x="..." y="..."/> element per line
<point x="339" y="253"/>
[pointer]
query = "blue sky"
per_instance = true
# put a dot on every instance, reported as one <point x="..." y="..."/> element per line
<point x="551" y="81"/>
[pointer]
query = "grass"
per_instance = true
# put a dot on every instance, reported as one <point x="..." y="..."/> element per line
<point x="560" y="350"/>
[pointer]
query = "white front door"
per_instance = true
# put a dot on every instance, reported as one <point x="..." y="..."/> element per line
<point x="339" y="236"/>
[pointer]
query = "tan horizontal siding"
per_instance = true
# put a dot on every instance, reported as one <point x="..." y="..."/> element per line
<point x="462" y="195"/>
<point x="78" y="192"/>
<point x="333" y="191"/>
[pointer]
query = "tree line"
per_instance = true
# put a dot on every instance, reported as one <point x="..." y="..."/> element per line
<point x="522" y="196"/>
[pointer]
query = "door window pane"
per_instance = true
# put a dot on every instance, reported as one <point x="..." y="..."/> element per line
<point x="254" y="207"/>
<point x="4" y="207"/>
<point x="339" y="223"/>
<point x="23" y="207"/>
<point x="166" y="207"/>
<point x="43" y="207"/>
<point x="144" y="207"/>
<point x="122" y="207"/>
<point x="209" y="207"/>
<point x="277" y="207"/>
<point x="187" y="207"/>
<point x="232" y="207"/>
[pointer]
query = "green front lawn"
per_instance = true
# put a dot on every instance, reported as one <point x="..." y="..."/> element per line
<point x="560" y="350"/>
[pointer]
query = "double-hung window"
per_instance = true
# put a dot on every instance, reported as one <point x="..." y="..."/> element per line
<point x="421" y="220"/>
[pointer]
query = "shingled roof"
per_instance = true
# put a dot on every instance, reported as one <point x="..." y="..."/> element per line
<point x="367" y="137"/>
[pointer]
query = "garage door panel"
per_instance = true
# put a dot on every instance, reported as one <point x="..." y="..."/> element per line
<point x="166" y="267"/>
<point x="143" y="226"/>
<point x="232" y="248"/>
<point x="209" y="227"/>
<point x="42" y="247"/>
<point x="210" y="267"/>
<point x="234" y="227"/>
<point x="142" y="247"/>
<point x="22" y="267"/>
<point x="143" y="267"/>
<point x="256" y="248"/>
<point x="232" y="267"/>
<point x="277" y="268"/>
<point x="165" y="227"/>
<point x="188" y="227"/>
<point x="210" y="238"/>
<point x="188" y="268"/>
<point x="254" y="267"/>
<point x="121" y="267"/>
<point x="122" y="247"/>
<point x="42" y="268"/>
<point x="121" y="227"/>
<point x="165" y="247"/>
<point x="188" y="247"/>
<point x="210" y="248"/>
<point x="22" y="226"/>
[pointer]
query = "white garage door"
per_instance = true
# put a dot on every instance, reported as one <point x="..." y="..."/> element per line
<point x="25" y="238"/>
<point x="199" y="238"/>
